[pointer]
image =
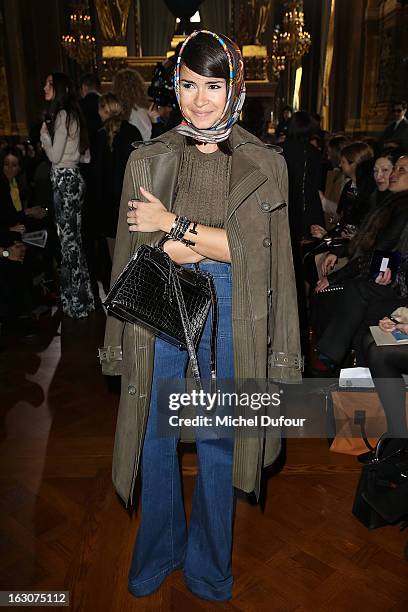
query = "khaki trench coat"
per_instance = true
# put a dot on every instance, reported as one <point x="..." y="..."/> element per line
<point x="264" y="308"/>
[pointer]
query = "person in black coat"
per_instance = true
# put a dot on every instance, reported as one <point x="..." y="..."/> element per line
<point x="15" y="284"/>
<point x="16" y="291"/>
<point x="282" y="128"/>
<point x="397" y="130"/>
<point x="357" y="164"/>
<point x="113" y="147"/>
<point x="304" y="163"/>
<point x="94" y="245"/>
<point x="387" y="365"/>
<point x="364" y="299"/>
<point x="14" y="196"/>
<point x="9" y="217"/>
<point x="89" y="87"/>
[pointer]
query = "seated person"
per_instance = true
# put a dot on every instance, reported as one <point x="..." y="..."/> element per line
<point x="353" y="203"/>
<point x="384" y="165"/>
<point x="15" y="287"/>
<point x="386" y="230"/>
<point x="380" y="196"/>
<point x="14" y="195"/>
<point x="372" y="181"/>
<point x="17" y="217"/>
<point x="387" y="364"/>
<point x="335" y="179"/>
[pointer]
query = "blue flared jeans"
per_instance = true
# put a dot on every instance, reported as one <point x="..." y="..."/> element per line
<point x="163" y="542"/>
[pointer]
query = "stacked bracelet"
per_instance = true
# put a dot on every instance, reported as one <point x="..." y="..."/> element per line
<point x="179" y="229"/>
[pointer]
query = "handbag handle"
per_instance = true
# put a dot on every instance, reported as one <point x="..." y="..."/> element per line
<point x="186" y="327"/>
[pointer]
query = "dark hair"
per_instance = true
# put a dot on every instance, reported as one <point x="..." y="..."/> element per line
<point x="204" y="55"/>
<point x="375" y="224"/>
<point x="365" y="180"/>
<point x="402" y="102"/>
<point x="373" y="143"/>
<point x="338" y="142"/>
<point x="392" y="154"/>
<point x="302" y="126"/>
<point x="11" y="150"/>
<point x="66" y="99"/>
<point x="357" y="152"/>
<point x="287" y="108"/>
<point x="318" y="140"/>
<point x="91" y="80"/>
<point x="397" y="144"/>
<point x="20" y="178"/>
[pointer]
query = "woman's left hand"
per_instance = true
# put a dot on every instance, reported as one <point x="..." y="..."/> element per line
<point x="36" y="212"/>
<point x="387" y="325"/>
<point x="322" y="284"/>
<point x="384" y="278"/>
<point x="403" y="327"/>
<point x="317" y="231"/>
<point x="146" y="216"/>
<point x="153" y="113"/>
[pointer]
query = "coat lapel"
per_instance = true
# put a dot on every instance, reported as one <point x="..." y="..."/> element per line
<point x="165" y="170"/>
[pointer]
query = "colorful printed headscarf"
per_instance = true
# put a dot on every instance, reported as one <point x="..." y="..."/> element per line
<point x="235" y="93"/>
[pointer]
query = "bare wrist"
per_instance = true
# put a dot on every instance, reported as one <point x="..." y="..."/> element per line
<point x="166" y="221"/>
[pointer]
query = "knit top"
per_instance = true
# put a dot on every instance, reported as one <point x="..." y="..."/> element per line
<point x="203" y="186"/>
<point x="63" y="149"/>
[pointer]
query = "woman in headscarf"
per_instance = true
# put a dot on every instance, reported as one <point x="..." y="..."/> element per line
<point x="230" y="192"/>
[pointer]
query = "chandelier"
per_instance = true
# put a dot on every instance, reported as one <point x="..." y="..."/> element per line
<point x="79" y="44"/>
<point x="294" y="41"/>
<point x="277" y="59"/>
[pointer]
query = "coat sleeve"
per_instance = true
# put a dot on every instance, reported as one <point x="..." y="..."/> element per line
<point x="284" y="360"/>
<point x="55" y="149"/>
<point x="137" y="173"/>
<point x="111" y="353"/>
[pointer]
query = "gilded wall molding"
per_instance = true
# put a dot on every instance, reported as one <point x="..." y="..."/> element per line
<point x="5" y="117"/>
<point x="385" y="74"/>
<point x="113" y="18"/>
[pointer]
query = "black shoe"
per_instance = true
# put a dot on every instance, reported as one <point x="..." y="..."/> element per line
<point x="366" y="457"/>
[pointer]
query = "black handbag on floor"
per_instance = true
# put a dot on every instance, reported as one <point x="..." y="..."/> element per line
<point x="382" y="492"/>
<point x="171" y="301"/>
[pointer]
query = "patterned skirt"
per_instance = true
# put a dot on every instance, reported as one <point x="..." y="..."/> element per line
<point x="75" y="287"/>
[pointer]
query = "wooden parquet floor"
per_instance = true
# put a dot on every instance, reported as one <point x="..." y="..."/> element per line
<point x="62" y="526"/>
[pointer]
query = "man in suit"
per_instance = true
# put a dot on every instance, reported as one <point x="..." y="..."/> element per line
<point x="397" y="131"/>
<point x="89" y="89"/>
<point x="95" y="247"/>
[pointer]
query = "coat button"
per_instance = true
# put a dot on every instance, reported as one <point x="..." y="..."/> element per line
<point x="269" y="292"/>
<point x="131" y="390"/>
<point x="266" y="207"/>
<point x="266" y="242"/>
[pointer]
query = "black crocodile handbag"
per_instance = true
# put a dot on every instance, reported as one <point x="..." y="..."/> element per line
<point x="171" y="301"/>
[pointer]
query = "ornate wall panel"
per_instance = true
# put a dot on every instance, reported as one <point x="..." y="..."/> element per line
<point x="31" y="37"/>
<point x="5" y="115"/>
<point x="386" y="65"/>
<point x="346" y="73"/>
